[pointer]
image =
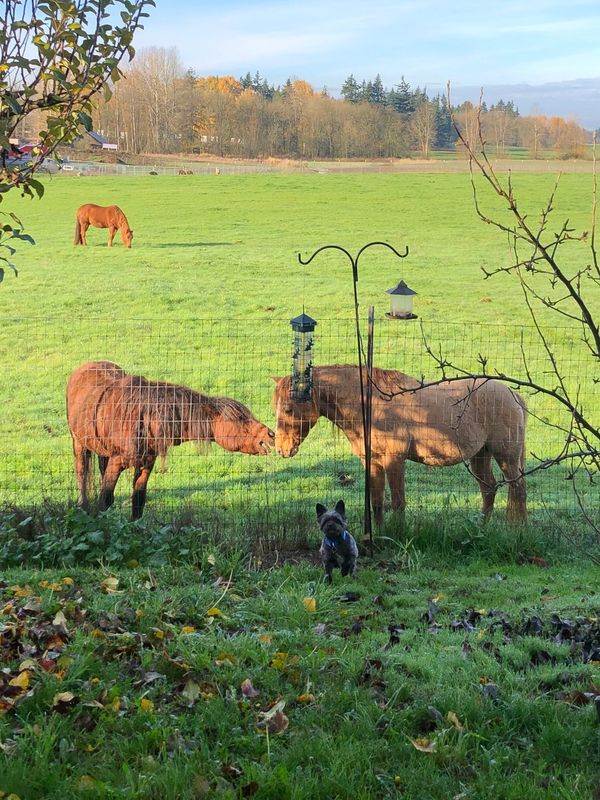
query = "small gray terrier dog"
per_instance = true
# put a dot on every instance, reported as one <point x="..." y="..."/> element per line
<point x="337" y="543"/>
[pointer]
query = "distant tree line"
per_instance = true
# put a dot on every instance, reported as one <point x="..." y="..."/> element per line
<point x="162" y="108"/>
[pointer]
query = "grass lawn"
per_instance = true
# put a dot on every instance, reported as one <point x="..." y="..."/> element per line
<point x="475" y="680"/>
<point x="193" y="654"/>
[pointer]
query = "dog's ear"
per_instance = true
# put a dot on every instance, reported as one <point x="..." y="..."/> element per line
<point x="340" y="508"/>
<point x="320" y="509"/>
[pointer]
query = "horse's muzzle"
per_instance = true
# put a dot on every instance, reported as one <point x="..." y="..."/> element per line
<point x="266" y="445"/>
<point x="289" y="453"/>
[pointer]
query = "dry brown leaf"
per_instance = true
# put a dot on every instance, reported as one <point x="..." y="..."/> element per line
<point x="423" y="745"/>
<point x="248" y="689"/>
<point x="452" y="718"/>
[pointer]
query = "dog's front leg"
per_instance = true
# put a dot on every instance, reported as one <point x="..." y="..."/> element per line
<point x="348" y="565"/>
<point x="330" y="565"/>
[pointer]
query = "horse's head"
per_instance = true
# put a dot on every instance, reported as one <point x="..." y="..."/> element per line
<point x="236" y="429"/>
<point x="127" y="237"/>
<point x="295" y="418"/>
<point x="258" y="439"/>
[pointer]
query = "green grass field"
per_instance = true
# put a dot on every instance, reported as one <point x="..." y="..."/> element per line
<point x="459" y="662"/>
<point x="205" y="297"/>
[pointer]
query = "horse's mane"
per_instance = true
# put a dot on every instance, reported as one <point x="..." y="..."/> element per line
<point x="121" y="218"/>
<point x="386" y="380"/>
<point x="166" y="410"/>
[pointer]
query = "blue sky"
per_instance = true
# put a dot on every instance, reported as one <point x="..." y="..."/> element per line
<point x="472" y="44"/>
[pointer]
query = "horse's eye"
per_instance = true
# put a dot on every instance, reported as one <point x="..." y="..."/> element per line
<point x="288" y="410"/>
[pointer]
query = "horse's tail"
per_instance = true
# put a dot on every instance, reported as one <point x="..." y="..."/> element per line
<point x="78" y="239"/>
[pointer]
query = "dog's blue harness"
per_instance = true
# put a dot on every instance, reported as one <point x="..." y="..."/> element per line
<point x="331" y="544"/>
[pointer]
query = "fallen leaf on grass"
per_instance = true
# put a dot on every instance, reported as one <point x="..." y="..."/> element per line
<point x="22" y="680"/>
<point x="279" y="661"/>
<point x="63" y="702"/>
<point x="423" y="745"/>
<point x="60" y="621"/>
<point x="231" y="771"/>
<point x="349" y="597"/>
<point x="432" y="610"/>
<point x="273" y="720"/>
<point x="538" y="561"/>
<point x="191" y="691"/>
<point x="452" y="718"/>
<point x="146" y="705"/>
<point x="110" y="586"/>
<point x="188" y="629"/>
<point x="225" y="660"/>
<point x="310" y="604"/>
<point x="248" y="689"/>
<point x="307" y="697"/>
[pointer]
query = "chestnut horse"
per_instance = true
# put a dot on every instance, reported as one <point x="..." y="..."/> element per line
<point x="129" y="421"/>
<point x="110" y="217"/>
<point x="440" y="424"/>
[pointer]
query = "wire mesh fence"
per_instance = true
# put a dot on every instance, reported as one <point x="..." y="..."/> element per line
<point x="237" y="359"/>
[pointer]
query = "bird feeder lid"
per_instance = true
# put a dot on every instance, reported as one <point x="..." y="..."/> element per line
<point x="303" y="323"/>
<point x="401" y="288"/>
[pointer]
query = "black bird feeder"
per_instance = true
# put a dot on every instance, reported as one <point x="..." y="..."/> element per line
<point x="303" y="327"/>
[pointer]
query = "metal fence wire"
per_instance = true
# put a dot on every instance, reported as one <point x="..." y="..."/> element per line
<point x="237" y="359"/>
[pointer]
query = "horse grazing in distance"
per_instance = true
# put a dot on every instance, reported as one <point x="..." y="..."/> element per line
<point x="129" y="421"/>
<point x="439" y="424"/>
<point x="110" y="217"/>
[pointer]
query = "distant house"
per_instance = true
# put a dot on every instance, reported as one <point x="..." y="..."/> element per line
<point x="97" y="141"/>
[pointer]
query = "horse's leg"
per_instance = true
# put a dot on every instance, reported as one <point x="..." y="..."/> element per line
<point x="102" y="464"/>
<point x="84" y="227"/>
<point x="83" y="458"/>
<point x="481" y="467"/>
<point x="516" y="507"/>
<point x="395" y="475"/>
<point x="114" y="468"/>
<point x="377" y="492"/>
<point x="111" y="234"/>
<point x="140" y="481"/>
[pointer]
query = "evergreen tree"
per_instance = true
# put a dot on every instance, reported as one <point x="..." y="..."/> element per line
<point x="446" y="135"/>
<point x="246" y="82"/>
<point x="402" y="99"/>
<point x="350" y="90"/>
<point x="377" y="93"/>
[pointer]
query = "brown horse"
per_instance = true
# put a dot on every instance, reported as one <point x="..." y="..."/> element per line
<point x="129" y="421"/>
<point x="110" y="217"/>
<point x="439" y="425"/>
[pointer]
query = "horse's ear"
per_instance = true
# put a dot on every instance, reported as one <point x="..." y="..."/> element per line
<point x="320" y="509"/>
<point x="340" y="508"/>
<point x="276" y="379"/>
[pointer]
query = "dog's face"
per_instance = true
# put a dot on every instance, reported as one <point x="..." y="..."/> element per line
<point x="332" y="523"/>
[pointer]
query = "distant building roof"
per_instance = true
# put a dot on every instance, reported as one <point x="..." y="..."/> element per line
<point x="97" y="137"/>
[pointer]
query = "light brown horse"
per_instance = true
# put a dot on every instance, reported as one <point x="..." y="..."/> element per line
<point x="110" y="217"/>
<point x="439" y="425"/>
<point x="129" y="421"/>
